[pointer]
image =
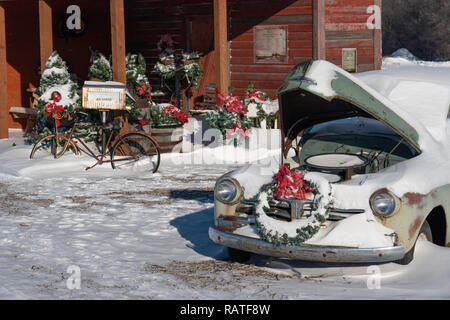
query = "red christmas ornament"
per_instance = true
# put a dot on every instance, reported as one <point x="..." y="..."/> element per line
<point x="56" y="96"/>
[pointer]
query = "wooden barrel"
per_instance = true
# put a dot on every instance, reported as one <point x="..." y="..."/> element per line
<point x="170" y="138"/>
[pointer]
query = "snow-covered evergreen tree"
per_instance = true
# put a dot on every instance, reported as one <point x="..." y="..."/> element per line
<point x="136" y="69"/>
<point x="55" y="81"/>
<point x="56" y="77"/>
<point x="101" y="68"/>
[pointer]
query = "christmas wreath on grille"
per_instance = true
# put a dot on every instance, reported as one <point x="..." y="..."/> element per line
<point x="293" y="185"/>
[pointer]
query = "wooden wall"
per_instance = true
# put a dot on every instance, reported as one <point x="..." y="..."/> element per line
<point x="147" y="20"/>
<point x="189" y="23"/>
<point x="346" y="27"/>
<point x="75" y="50"/>
<point x="22" y="49"/>
<point x="244" y="16"/>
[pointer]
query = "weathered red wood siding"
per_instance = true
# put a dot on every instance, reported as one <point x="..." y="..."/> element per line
<point x="244" y="16"/>
<point x="345" y="21"/>
<point x="346" y="27"/>
<point x="147" y="20"/>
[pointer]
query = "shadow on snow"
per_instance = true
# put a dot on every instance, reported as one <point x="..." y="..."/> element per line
<point x="194" y="228"/>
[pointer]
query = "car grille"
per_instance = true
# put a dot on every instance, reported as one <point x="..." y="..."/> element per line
<point x="285" y="210"/>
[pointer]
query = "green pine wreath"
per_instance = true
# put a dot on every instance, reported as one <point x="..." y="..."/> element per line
<point x="294" y="232"/>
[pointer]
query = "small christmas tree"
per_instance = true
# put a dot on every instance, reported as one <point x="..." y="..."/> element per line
<point x="136" y="68"/>
<point x="56" y="81"/>
<point x="101" y="68"/>
<point x="138" y="87"/>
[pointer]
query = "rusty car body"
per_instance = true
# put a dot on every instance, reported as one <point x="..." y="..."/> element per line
<point x="402" y="194"/>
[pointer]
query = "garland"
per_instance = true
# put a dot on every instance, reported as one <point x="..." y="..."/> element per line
<point x="296" y="185"/>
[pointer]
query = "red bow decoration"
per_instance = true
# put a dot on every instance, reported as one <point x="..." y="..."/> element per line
<point x="291" y="184"/>
<point x="55" y="111"/>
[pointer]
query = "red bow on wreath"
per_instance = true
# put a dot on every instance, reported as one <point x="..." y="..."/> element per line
<point x="291" y="184"/>
<point x="55" y="111"/>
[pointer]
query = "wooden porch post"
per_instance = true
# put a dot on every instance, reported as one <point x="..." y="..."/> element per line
<point x="319" y="45"/>
<point x="117" y="14"/>
<point x="221" y="46"/>
<point x="378" y="42"/>
<point x="45" y="32"/>
<point x="118" y="40"/>
<point x="3" y="78"/>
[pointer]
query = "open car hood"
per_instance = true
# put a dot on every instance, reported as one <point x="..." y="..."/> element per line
<point x="318" y="91"/>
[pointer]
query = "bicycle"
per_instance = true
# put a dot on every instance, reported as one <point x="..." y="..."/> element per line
<point x="131" y="150"/>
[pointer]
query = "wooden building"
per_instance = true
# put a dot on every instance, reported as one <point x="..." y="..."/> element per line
<point x="242" y="41"/>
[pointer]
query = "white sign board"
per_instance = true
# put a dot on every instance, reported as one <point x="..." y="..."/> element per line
<point x="104" y="95"/>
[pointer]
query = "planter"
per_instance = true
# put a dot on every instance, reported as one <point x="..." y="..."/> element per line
<point x="170" y="138"/>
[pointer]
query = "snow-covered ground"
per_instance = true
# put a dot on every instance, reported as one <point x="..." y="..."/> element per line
<point x="145" y="236"/>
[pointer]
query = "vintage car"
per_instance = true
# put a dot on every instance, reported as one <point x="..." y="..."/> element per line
<point x="373" y="145"/>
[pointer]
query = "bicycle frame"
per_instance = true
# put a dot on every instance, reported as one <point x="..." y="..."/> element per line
<point x="116" y="143"/>
<point x="99" y="157"/>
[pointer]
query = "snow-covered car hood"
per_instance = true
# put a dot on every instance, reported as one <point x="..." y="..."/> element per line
<point x="318" y="91"/>
<point x="423" y="93"/>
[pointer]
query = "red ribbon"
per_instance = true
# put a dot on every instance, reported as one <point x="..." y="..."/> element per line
<point x="291" y="184"/>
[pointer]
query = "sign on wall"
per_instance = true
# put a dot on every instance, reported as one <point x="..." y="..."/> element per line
<point x="349" y="59"/>
<point x="270" y="44"/>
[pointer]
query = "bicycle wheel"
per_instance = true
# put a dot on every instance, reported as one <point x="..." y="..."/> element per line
<point x="52" y="146"/>
<point x="135" y="151"/>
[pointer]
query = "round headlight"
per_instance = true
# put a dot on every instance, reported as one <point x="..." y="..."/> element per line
<point x="226" y="191"/>
<point x="383" y="203"/>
